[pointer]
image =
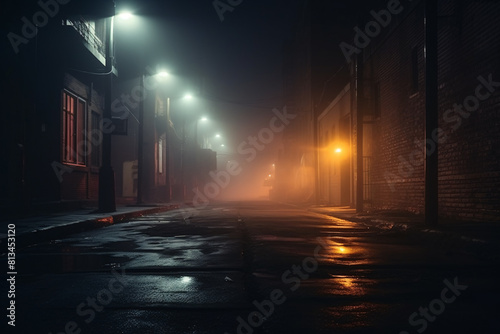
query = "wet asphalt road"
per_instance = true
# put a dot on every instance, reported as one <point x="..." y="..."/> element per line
<point x="254" y="267"/>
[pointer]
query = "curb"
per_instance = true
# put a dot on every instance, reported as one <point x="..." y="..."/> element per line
<point x="445" y="240"/>
<point x="60" y="231"/>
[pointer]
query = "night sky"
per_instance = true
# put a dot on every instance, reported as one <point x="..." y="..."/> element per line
<point x="238" y="59"/>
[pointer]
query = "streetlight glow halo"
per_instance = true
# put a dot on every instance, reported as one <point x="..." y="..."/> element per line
<point x="125" y="15"/>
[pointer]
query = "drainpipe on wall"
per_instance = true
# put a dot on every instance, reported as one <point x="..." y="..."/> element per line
<point x="359" y="89"/>
<point x="431" y="110"/>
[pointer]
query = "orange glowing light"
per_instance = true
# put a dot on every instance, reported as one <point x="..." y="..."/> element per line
<point x="338" y="150"/>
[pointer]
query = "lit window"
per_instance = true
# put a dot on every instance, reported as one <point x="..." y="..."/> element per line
<point x="74" y="145"/>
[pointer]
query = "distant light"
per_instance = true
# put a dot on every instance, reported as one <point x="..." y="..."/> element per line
<point x="338" y="150"/>
<point x="125" y="15"/>
<point x="274" y="165"/>
<point x="204" y="119"/>
<point x="163" y="74"/>
<point x="186" y="279"/>
<point x="217" y="136"/>
<point x="188" y="96"/>
<point x="270" y="175"/>
<point x="222" y="145"/>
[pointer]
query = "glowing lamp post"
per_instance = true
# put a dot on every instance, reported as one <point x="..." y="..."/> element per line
<point x="107" y="201"/>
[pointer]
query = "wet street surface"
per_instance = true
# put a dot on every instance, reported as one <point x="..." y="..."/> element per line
<point x="255" y="267"/>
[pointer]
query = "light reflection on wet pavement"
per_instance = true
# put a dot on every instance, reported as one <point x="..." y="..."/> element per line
<point x="200" y="275"/>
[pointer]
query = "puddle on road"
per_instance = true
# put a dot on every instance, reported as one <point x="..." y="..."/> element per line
<point x="345" y="253"/>
<point x="346" y="285"/>
<point x="71" y="260"/>
<point x="277" y="238"/>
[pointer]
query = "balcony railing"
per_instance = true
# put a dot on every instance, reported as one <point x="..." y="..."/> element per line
<point x="87" y="30"/>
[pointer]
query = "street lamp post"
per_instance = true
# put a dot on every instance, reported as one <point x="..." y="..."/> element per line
<point x="183" y="153"/>
<point x="167" y="153"/>
<point x="140" y="153"/>
<point x="106" y="174"/>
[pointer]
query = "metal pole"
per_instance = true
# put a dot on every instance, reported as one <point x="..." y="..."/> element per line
<point x="140" y="147"/>
<point x="106" y="173"/>
<point x="167" y="153"/>
<point x="359" y="132"/>
<point x="196" y="133"/>
<point x="183" y="144"/>
<point x="431" y="110"/>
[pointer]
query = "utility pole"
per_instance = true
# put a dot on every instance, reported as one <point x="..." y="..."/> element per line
<point x="140" y="147"/>
<point x="183" y="154"/>
<point x="431" y="110"/>
<point x="167" y="153"/>
<point x="106" y="174"/>
<point x="359" y="131"/>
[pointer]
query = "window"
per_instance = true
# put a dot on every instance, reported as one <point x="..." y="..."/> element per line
<point x="74" y="145"/>
<point x="414" y="70"/>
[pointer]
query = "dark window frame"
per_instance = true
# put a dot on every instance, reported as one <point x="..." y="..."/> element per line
<point x="73" y="126"/>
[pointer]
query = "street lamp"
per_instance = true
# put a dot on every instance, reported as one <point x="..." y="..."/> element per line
<point x="107" y="200"/>
<point x="125" y="15"/>
<point x="163" y="74"/>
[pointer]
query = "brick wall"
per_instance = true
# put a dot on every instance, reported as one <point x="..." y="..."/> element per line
<point x="397" y="182"/>
<point x="469" y="160"/>
<point x="469" y="157"/>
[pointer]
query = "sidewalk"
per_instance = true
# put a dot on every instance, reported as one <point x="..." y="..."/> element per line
<point x="56" y="225"/>
<point x="479" y="238"/>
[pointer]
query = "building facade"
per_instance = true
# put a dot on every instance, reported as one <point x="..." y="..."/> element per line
<point x="379" y="113"/>
<point x="54" y="61"/>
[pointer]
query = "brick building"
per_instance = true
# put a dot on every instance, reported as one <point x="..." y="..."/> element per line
<point x="387" y="89"/>
<point x="53" y="94"/>
<point x="468" y="155"/>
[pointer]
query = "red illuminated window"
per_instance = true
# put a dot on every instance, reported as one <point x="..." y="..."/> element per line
<point x="74" y="145"/>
